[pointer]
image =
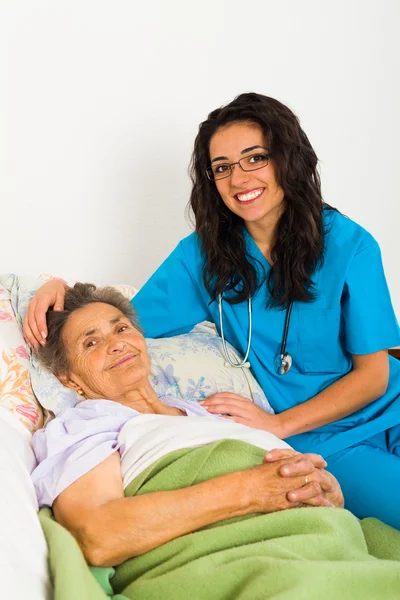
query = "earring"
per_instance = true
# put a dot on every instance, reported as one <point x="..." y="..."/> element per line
<point x="80" y="392"/>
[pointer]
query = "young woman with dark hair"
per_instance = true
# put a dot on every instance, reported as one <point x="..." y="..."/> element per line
<point x="296" y="286"/>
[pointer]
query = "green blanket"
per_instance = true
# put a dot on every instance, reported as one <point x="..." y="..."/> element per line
<point x="290" y="555"/>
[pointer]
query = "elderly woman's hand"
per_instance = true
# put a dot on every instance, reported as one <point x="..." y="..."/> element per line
<point x="329" y="486"/>
<point x="270" y="485"/>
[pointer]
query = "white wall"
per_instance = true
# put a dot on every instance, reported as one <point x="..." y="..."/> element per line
<point x="100" y="103"/>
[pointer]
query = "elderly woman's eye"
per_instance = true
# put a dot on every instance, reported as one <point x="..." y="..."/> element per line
<point x="90" y="343"/>
<point x="122" y="328"/>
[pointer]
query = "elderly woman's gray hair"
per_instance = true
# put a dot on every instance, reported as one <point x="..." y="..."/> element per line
<point x="53" y="355"/>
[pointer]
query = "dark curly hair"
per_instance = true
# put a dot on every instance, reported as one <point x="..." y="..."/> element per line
<point x="299" y="242"/>
<point x="53" y="355"/>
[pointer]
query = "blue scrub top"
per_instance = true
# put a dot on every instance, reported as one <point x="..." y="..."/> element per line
<point x="352" y="314"/>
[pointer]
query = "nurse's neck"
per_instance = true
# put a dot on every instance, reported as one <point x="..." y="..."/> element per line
<point x="263" y="230"/>
<point x="263" y="233"/>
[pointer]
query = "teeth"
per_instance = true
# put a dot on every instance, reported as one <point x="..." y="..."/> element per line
<point x="249" y="196"/>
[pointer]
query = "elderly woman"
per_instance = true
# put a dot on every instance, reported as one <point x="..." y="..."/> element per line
<point x="181" y="468"/>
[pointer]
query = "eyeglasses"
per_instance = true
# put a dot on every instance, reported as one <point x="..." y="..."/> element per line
<point x="248" y="163"/>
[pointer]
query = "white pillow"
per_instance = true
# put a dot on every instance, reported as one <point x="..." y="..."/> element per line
<point x="23" y="548"/>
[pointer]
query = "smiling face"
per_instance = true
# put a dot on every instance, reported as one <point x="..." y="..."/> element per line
<point x="255" y="196"/>
<point x="107" y="356"/>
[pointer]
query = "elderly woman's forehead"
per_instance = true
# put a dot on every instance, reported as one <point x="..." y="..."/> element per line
<point x="94" y="314"/>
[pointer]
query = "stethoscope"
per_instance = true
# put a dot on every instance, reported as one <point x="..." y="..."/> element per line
<point x="282" y="362"/>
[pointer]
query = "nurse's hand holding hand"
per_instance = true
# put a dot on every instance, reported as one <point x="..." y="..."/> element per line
<point x="241" y="410"/>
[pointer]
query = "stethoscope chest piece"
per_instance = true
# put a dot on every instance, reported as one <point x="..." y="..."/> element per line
<point x="282" y="363"/>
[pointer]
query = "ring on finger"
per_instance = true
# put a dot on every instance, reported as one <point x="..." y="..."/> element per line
<point x="307" y="479"/>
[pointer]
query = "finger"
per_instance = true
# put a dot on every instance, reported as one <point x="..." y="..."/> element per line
<point x="325" y="480"/>
<point x="228" y="409"/>
<point x="318" y="500"/>
<point x="28" y="335"/>
<point x="295" y="484"/>
<point x="225" y="396"/>
<point x="33" y="334"/>
<point x="301" y="466"/>
<point x="279" y="453"/>
<point x="39" y="317"/>
<point x="316" y="459"/>
<point x="305" y="493"/>
<point x="59" y="303"/>
<point x="36" y="310"/>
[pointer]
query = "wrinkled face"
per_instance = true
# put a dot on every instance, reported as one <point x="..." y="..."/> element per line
<point x="252" y="195"/>
<point x="107" y="356"/>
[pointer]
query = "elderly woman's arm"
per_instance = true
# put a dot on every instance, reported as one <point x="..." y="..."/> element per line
<point x="110" y="528"/>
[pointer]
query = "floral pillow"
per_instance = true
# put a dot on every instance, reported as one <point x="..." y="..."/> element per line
<point x="16" y="394"/>
<point x="192" y="366"/>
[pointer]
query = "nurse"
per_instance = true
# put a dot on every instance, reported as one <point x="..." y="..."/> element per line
<point x="303" y="280"/>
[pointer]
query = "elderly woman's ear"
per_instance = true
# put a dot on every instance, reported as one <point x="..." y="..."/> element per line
<point x="65" y="379"/>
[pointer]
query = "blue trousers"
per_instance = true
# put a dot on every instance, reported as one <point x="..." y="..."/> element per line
<point x="369" y="474"/>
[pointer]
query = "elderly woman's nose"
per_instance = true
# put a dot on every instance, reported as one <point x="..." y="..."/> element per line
<point x="115" y="344"/>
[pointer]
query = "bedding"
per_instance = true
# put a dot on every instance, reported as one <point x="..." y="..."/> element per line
<point x="299" y="553"/>
<point x="16" y="394"/>
<point x="23" y="549"/>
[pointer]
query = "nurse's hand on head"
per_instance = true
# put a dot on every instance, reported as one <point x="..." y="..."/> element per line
<point x="241" y="410"/>
<point x="50" y="294"/>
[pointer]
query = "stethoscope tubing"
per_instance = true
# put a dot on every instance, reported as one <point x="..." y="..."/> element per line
<point x="282" y="357"/>
<point x="286" y="328"/>
<point x="244" y="362"/>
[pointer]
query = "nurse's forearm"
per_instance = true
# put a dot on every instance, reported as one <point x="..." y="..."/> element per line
<point x="364" y="384"/>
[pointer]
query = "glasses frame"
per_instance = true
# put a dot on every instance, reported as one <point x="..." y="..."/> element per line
<point x="211" y="176"/>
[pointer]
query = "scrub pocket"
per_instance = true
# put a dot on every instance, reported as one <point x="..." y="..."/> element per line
<point x="320" y="340"/>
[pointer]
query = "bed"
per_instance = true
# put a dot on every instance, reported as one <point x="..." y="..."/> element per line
<point x="190" y="366"/>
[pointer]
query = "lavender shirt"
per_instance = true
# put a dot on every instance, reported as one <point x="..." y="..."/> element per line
<point x="80" y="438"/>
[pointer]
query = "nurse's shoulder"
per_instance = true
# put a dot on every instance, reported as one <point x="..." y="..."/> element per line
<point x="189" y="251"/>
<point x="344" y="238"/>
<point x="191" y="246"/>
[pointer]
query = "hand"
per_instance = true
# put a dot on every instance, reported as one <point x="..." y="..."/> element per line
<point x="50" y="294"/>
<point x="330" y="488"/>
<point x="241" y="410"/>
<point x="268" y="490"/>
